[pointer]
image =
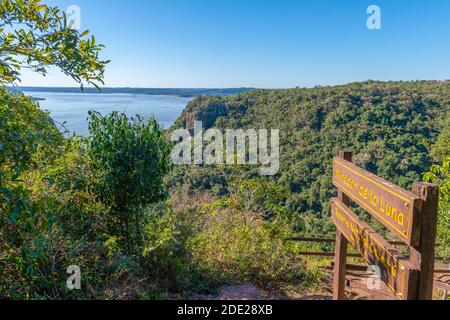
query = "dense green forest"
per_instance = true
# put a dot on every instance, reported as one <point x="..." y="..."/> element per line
<point x="390" y="127"/>
<point x="139" y="227"/>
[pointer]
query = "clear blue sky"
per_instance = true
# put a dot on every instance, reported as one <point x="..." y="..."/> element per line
<point x="263" y="43"/>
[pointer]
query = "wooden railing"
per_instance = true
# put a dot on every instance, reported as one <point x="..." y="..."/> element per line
<point x="331" y="254"/>
<point x="438" y="284"/>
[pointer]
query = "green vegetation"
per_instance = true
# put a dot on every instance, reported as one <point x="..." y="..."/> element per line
<point x="130" y="159"/>
<point x="389" y="127"/>
<point x="100" y="202"/>
<point x="35" y="36"/>
<point x="440" y="174"/>
<point x="111" y="203"/>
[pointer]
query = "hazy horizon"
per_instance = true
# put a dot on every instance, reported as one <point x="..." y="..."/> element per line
<point x="224" y="88"/>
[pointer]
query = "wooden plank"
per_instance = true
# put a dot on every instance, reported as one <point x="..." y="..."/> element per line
<point x="397" y="272"/>
<point x="441" y="285"/>
<point x="329" y="240"/>
<point x="357" y="255"/>
<point x="319" y="240"/>
<point x="340" y="258"/>
<point x="423" y="255"/>
<point x="397" y="209"/>
<point x="327" y="254"/>
<point x="348" y="268"/>
<point x="354" y="267"/>
<point x="441" y="271"/>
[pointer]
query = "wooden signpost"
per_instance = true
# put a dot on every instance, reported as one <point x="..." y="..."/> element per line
<point x="398" y="273"/>
<point x="397" y="209"/>
<point x="411" y="216"/>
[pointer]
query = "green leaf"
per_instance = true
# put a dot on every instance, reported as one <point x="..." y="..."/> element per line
<point x="42" y="8"/>
<point x="85" y="33"/>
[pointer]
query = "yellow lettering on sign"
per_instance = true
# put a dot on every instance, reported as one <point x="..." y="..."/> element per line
<point x="392" y="212"/>
<point x="383" y="257"/>
<point x="363" y="192"/>
<point x="373" y="198"/>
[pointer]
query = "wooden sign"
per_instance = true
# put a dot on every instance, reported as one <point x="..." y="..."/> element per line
<point x="397" y="209"/>
<point x="396" y="271"/>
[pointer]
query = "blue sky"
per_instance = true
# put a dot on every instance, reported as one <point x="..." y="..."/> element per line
<point x="262" y="43"/>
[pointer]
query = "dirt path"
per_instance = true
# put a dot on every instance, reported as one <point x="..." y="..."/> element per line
<point x="356" y="289"/>
<point x="245" y="291"/>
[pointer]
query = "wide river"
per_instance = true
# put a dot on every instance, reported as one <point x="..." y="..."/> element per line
<point x="73" y="108"/>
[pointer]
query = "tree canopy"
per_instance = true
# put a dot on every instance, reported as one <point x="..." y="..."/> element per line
<point x="35" y="36"/>
<point x="389" y="126"/>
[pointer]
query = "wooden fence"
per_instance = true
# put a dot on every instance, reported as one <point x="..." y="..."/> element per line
<point x="410" y="216"/>
<point x="439" y="272"/>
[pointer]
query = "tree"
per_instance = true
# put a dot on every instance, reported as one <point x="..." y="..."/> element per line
<point x="35" y="36"/>
<point x="131" y="157"/>
<point x="441" y="149"/>
<point x="440" y="174"/>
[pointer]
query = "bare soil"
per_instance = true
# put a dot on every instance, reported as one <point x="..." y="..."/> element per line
<point x="356" y="289"/>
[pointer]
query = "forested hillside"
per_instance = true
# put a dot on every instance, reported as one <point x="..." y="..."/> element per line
<point x="109" y="216"/>
<point x="390" y="127"/>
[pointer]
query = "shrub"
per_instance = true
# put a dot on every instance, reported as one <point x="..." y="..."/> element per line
<point x="240" y="246"/>
<point x="60" y="225"/>
<point x="129" y="158"/>
<point x="440" y="174"/>
<point x="238" y="238"/>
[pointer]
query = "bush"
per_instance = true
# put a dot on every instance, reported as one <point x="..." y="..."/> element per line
<point x="240" y="246"/>
<point x="61" y="225"/>
<point x="129" y="159"/>
<point x="53" y="215"/>
<point x="238" y="238"/>
<point x="440" y="174"/>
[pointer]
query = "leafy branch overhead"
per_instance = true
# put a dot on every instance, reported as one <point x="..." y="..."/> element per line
<point x="35" y="36"/>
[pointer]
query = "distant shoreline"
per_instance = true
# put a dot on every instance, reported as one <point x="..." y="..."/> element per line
<point x="179" y="92"/>
<point x="37" y="99"/>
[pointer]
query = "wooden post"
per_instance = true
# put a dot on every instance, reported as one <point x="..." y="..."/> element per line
<point x="423" y="255"/>
<point x="340" y="261"/>
<point x="340" y="266"/>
